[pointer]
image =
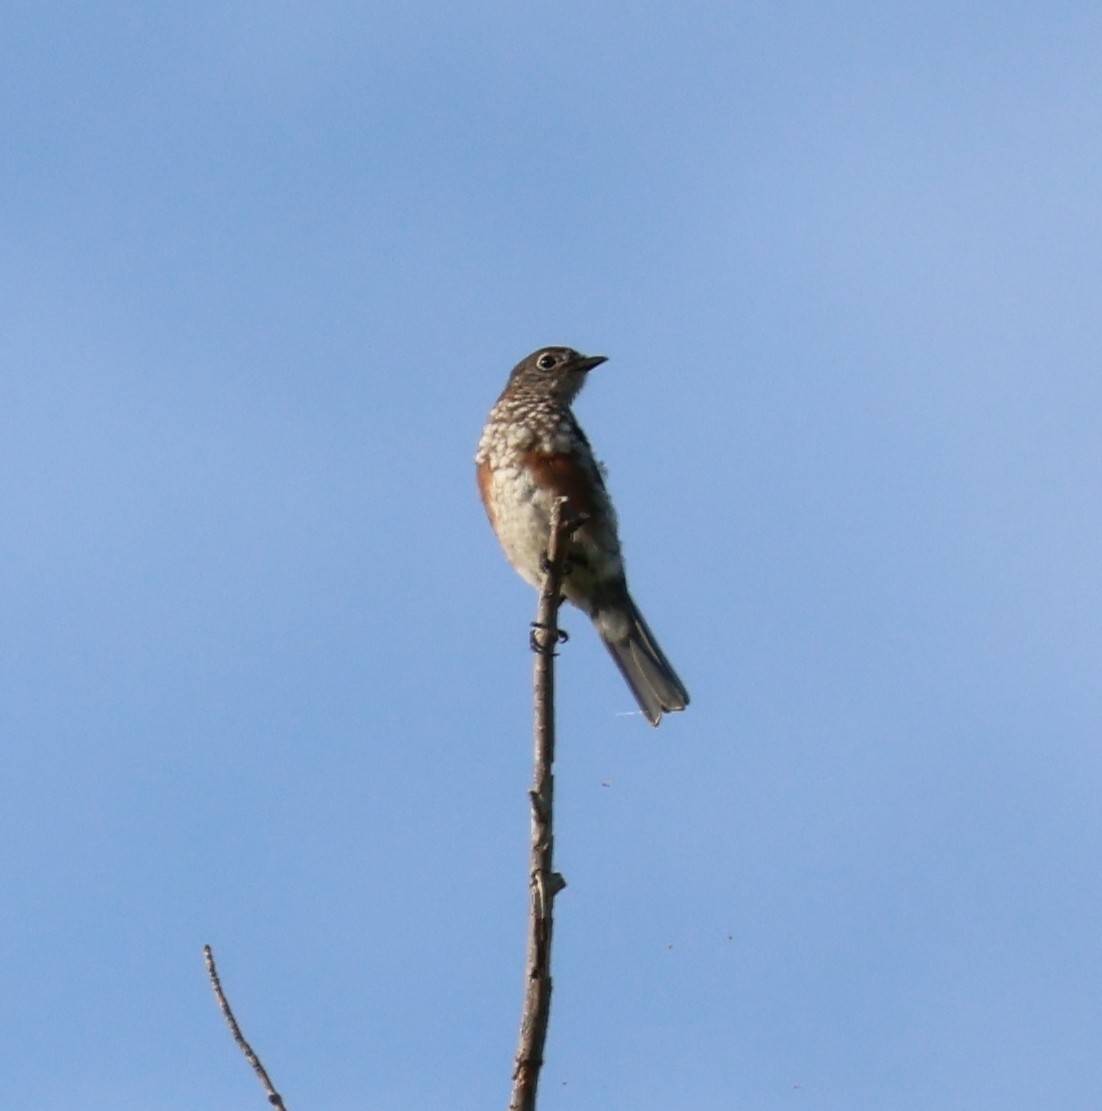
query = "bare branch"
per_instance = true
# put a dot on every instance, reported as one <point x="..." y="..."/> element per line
<point x="545" y="883"/>
<point x="274" y="1098"/>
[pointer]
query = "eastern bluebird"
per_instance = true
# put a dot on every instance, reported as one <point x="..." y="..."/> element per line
<point x="532" y="450"/>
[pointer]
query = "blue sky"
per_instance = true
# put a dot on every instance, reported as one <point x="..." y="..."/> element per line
<point x="264" y="673"/>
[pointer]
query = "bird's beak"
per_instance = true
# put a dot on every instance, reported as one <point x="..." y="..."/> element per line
<point x="588" y="362"/>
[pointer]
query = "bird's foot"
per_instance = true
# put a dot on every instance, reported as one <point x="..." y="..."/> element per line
<point x="573" y="519"/>
<point x="566" y="565"/>
<point x="537" y="644"/>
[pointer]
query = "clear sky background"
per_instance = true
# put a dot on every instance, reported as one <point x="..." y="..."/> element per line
<point x="265" y="677"/>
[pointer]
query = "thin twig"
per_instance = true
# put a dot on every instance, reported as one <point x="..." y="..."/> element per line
<point x="274" y="1098"/>
<point x="544" y="881"/>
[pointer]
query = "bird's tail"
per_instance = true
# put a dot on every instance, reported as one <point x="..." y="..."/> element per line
<point x="642" y="663"/>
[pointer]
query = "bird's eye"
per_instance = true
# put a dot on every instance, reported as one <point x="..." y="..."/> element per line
<point x="546" y="361"/>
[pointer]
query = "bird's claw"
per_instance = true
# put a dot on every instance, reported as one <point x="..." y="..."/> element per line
<point x="537" y="644"/>
<point x="566" y="565"/>
<point x="573" y="519"/>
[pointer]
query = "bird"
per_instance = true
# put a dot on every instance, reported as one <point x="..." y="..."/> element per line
<point x="532" y="450"/>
